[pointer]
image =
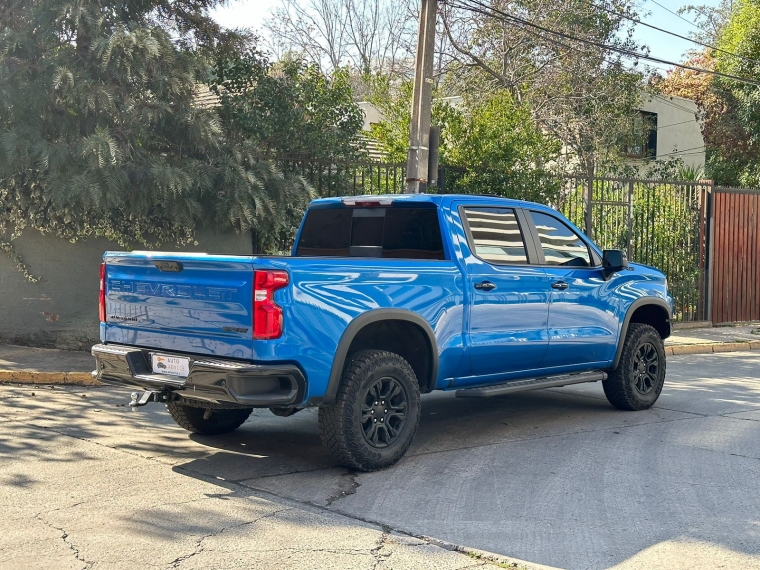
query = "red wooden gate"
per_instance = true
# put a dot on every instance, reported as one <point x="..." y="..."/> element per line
<point x="735" y="264"/>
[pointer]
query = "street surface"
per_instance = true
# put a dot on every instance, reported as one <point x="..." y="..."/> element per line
<point x="554" y="477"/>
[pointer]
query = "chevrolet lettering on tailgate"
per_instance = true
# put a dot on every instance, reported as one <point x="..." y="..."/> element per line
<point x="172" y="290"/>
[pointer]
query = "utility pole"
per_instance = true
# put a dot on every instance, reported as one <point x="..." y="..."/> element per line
<point x="422" y="100"/>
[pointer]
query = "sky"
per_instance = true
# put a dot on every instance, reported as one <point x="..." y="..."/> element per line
<point x="251" y="14"/>
<point x="244" y="13"/>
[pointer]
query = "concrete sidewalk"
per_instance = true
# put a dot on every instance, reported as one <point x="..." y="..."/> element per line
<point x="25" y="365"/>
<point x="714" y="339"/>
<point x="21" y="364"/>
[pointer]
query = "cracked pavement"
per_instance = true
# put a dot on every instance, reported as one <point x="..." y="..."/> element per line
<point x="556" y="477"/>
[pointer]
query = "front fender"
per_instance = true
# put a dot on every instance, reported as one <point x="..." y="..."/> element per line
<point x="637" y="304"/>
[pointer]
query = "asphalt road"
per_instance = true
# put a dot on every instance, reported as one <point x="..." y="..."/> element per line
<point x="554" y="477"/>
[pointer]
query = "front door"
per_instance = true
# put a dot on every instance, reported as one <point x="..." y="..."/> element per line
<point x="583" y="312"/>
<point x="509" y="298"/>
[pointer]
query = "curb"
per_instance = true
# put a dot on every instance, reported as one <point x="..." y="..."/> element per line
<point x="711" y="348"/>
<point x="86" y="378"/>
<point x="35" y="377"/>
<point x="484" y="556"/>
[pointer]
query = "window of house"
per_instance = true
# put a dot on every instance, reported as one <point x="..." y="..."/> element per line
<point x="561" y="245"/>
<point x="643" y="141"/>
<point x="496" y="235"/>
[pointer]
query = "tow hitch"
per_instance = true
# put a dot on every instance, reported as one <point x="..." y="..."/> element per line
<point x="148" y="396"/>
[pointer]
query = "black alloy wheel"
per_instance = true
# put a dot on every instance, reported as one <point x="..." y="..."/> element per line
<point x="384" y="412"/>
<point x="637" y="381"/>
<point x="376" y="411"/>
<point x="646" y="368"/>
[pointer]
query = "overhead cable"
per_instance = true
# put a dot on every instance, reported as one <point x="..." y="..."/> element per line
<point x="478" y="7"/>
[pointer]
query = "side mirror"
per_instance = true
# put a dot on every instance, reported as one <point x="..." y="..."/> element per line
<point x="613" y="260"/>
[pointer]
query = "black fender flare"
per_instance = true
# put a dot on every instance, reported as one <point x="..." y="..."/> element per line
<point x="637" y="304"/>
<point x="373" y="316"/>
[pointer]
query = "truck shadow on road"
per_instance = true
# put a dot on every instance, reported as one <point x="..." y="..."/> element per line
<point x="285" y="456"/>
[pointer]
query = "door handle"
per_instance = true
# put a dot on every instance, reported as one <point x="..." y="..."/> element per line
<point x="560" y="285"/>
<point x="485" y="286"/>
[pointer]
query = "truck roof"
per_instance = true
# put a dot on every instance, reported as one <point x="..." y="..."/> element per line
<point x="437" y="199"/>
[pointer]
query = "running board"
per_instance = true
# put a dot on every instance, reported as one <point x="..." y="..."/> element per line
<point x="530" y="384"/>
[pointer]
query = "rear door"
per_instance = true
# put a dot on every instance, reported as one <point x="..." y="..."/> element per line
<point x="194" y="303"/>
<point x="582" y="313"/>
<point x="509" y="298"/>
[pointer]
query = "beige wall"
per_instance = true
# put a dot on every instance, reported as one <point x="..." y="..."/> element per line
<point x="678" y="132"/>
<point x="61" y="310"/>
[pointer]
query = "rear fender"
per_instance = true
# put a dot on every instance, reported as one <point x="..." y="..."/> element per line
<point x="370" y="317"/>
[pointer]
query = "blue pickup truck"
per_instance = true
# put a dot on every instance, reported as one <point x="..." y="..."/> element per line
<point x="383" y="298"/>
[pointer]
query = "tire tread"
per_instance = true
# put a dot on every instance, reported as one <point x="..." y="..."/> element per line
<point x="336" y="421"/>
<point x="191" y="418"/>
<point x="618" y="388"/>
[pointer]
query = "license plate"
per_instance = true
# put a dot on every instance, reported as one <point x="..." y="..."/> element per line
<point x="171" y="365"/>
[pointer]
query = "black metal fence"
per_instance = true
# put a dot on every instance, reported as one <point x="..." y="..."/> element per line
<point x="657" y="222"/>
<point x="348" y="178"/>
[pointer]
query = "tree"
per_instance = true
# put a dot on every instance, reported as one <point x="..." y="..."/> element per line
<point x="726" y="142"/>
<point x="489" y="146"/>
<point x="709" y="19"/>
<point x="740" y="56"/>
<point x="99" y="133"/>
<point x="727" y="108"/>
<point x="365" y="36"/>
<point x="584" y="95"/>
<point x="288" y="108"/>
<point x="499" y="151"/>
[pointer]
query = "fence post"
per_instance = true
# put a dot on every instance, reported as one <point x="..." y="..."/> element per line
<point x="630" y="220"/>
<point x="589" y="196"/>
<point x="709" y="244"/>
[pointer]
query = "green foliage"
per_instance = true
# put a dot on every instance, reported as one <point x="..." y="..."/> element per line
<point x="501" y="150"/>
<point x="490" y="147"/>
<point x="736" y="158"/>
<point x="665" y="228"/>
<point x="288" y="108"/>
<point x="583" y="95"/>
<point x="394" y="104"/>
<point x="99" y="133"/>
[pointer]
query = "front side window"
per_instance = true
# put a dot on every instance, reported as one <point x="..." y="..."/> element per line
<point x="561" y="245"/>
<point x="496" y="236"/>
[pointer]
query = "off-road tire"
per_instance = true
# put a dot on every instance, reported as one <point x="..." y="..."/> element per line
<point x="221" y="420"/>
<point x="340" y="424"/>
<point x="622" y="387"/>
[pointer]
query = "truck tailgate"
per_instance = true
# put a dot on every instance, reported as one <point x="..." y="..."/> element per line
<point x="194" y="303"/>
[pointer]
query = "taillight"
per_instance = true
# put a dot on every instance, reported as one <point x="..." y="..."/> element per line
<point x="102" y="300"/>
<point x="267" y="315"/>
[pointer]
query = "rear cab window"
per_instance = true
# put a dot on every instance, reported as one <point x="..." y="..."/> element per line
<point x="402" y="232"/>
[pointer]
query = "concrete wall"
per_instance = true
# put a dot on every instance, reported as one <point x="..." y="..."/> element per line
<point x="678" y="132"/>
<point x="61" y="311"/>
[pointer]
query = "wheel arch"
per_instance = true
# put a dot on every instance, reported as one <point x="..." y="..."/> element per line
<point x="649" y="310"/>
<point x="380" y="321"/>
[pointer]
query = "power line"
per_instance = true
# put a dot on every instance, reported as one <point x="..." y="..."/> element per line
<point x="664" y="99"/>
<point x="700" y="149"/>
<point x="677" y="15"/>
<point x="489" y="11"/>
<point x="688" y="39"/>
<point x="675" y="124"/>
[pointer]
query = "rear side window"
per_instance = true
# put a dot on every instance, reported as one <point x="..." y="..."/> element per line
<point x="400" y="233"/>
<point x="561" y="245"/>
<point x="496" y="235"/>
